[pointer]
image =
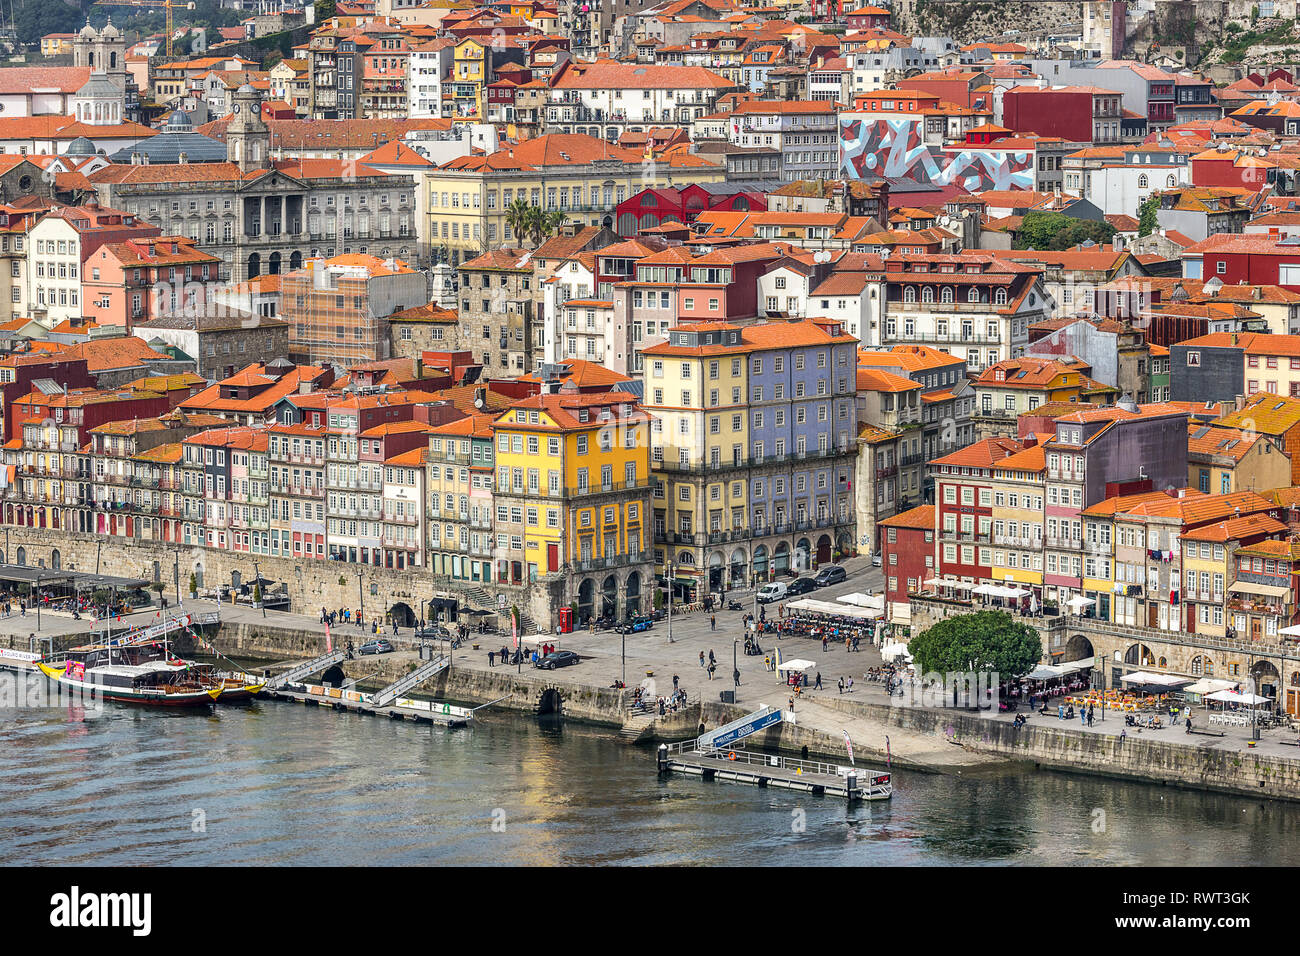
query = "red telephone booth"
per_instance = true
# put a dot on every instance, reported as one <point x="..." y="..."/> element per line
<point x="566" y="620"/>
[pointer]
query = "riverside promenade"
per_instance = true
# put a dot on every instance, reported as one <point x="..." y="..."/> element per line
<point x="910" y="736"/>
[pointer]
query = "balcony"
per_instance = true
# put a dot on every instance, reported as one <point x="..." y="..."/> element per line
<point x="1064" y="544"/>
<point x="615" y="561"/>
<point x="978" y="537"/>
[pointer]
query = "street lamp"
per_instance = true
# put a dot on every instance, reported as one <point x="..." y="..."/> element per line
<point x="38" y="602"/>
<point x="361" y="611"/>
<point x="671" y="582"/>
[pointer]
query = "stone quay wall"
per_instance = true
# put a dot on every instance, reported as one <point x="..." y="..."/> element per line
<point x="311" y="584"/>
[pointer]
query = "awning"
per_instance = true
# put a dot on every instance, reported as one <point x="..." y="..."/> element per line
<point x="1155" y="680"/>
<point x="1042" y="672"/>
<point x="1208" y="685"/>
<point x="1291" y="631"/>
<point x="894" y="651"/>
<point x="811" y="606"/>
<point x="1078" y="603"/>
<point x="1228" y="697"/>
<point x="1268" y="590"/>
<point x="797" y="665"/>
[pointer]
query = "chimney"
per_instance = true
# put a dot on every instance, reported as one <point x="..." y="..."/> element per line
<point x="182" y="158"/>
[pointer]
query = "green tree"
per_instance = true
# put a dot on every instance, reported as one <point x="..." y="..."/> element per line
<point x="34" y="20"/>
<point x="1053" y="231"/>
<point x="1147" y="216"/>
<point x="985" y="641"/>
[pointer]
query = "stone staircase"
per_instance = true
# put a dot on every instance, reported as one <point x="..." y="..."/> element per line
<point x="634" y="725"/>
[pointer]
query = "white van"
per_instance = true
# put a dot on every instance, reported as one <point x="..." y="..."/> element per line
<point x="771" y="592"/>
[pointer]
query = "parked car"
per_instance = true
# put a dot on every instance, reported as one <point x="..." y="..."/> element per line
<point x="875" y="560"/>
<point x="800" y="586"/>
<point x="557" y="659"/>
<point x="833" y="574"/>
<point x="775" y="591"/>
<point x="634" y="626"/>
<point x="376" y="647"/>
<point x="433" y="632"/>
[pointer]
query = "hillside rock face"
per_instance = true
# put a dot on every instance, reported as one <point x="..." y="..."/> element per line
<point x="967" y="22"/>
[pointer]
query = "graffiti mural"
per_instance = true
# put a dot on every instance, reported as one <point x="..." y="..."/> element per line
<point x="893" y="149"/>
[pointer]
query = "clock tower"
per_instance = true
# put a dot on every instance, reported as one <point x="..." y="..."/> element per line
<point x="248" y="140"/>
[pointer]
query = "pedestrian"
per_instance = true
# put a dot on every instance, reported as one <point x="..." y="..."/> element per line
<point x="713" y="622"/>
<point x="1123" y="735"/>
<point x="841" y="685"/>
<point x="1091" y="713"/>
<point x="818" y="685"/>
<point x="1060" y="711"/>
<point x="1188" y="724"/>
<point x="850" y="685"/>
<point x="701" y="658"/>
<point x="767" y="662"/>
<point x="825" y="642"/>
<point x="712" y="659"/>
<point x="735" y="675"/>
<point x="1083" y="717"/>
<point x="492" y="656"/>
<point x="710" y="669"/>
<point x="792" y="705"/>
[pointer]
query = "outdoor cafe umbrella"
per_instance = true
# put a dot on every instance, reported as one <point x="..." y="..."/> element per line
<point x="1231" y="697"/>
<point x="1078" y="602"/>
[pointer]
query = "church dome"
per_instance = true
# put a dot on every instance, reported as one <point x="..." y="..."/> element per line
<point x="81" y="148"/>
<point x="179" y="122"/>
<point x="110" y="32"/>
<point x="87" y="31"/>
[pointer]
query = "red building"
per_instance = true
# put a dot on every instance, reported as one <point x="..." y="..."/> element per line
<point x="654" y="207"/>
<point x="862" y="18"/>
<point x="1080" y="114"/>
<point x="1240" y="168"/>
<point x="964" y="499"/>
<point x="18" y="372"/>
<point x="956" y="86"/>
<point x="1234" y="258"/>
<point x="907" y="552"/>
<point x="86" y="408"/>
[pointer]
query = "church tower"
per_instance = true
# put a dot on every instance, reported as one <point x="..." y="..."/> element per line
<point x="248" y="140"/>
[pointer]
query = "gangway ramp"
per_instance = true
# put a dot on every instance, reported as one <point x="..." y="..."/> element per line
<point x="418" y="676"/>
<point x="304" y="669"/>
<point x="728" y="734"/>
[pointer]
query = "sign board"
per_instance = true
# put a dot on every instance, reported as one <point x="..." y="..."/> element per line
<point x="740" y="729"/>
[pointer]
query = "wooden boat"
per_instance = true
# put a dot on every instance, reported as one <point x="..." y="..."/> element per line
<point x="156" y="683"/>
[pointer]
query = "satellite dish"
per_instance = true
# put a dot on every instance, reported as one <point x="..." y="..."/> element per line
<point x="944" y="220"/>
<point x="823" y="256"/>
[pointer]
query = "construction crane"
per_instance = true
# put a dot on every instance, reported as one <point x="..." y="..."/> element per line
<point x="167" y="5"/>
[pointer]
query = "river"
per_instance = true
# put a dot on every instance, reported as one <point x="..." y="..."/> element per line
<point x="278" y="783"/>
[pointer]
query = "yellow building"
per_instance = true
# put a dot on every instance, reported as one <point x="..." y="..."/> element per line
<point x="1222" y="460"/>
<point x="572" y="497"/>
<point x="581" y="175"/>
<point x="468" y="72"/>
<point x="1018" y="519"/>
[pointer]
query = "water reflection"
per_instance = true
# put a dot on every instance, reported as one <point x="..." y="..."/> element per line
<point x="278" y="783"/>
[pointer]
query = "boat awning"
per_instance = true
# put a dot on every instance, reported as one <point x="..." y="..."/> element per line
<point x="1268" y="590"/>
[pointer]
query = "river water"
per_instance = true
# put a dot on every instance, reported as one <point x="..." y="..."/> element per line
<point x="278" y="783"/>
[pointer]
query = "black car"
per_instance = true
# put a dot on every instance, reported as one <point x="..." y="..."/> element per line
<point x="557" y="659"/>
<point x="376" y="647"/>
<point x="433" y="632"/>
<point x="830" y="575"/>
<point x="800" y="586"/>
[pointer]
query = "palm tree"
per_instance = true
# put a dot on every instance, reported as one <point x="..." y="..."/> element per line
<point x="535" y="224"/>
<point x="517" y="214"/>
<point x="555" y="221"/>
